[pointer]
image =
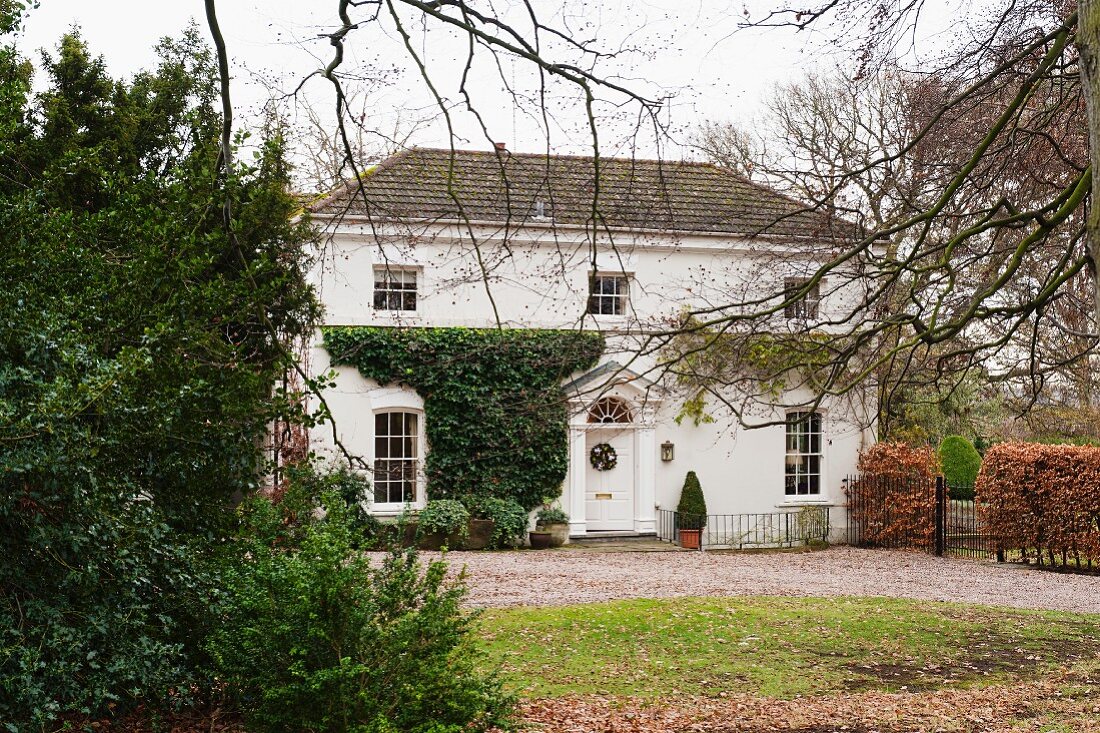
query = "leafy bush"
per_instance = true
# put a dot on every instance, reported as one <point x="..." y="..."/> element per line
<point x="960" y="462"/>
<point x="509" y="517"/>
<point x="307" y="483"/>
<point x="894" y="498"/>
<point x="1042" y="499"/>
<point x="692" y="509"/>
<point x="444" y="516"/>
<point x="316" y="638"/>
<point x="552" y="515"/>
<point x="95" y="618"/>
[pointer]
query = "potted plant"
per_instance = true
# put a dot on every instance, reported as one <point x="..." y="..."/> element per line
<point x="691" y="513"/>
<point x="540" y="539"/>
<point x="556" y="522"/>
<point x="509" y="520"/>
<point x="442" y="522"/>
<point x="480" y="534"/>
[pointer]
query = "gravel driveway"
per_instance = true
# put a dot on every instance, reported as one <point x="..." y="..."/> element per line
<point x="569" y="576"/>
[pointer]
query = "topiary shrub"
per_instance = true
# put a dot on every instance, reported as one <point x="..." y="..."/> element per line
<point x="960" y="463"/>
<point x="509" y="519"/>
<point x="314" y="637"/>
<point x="692" y="509"/>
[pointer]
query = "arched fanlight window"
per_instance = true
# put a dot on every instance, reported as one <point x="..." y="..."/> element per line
<point x="609" y="410"/>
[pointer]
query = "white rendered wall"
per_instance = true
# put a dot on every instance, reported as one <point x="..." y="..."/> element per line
<point x="543" y="284"/>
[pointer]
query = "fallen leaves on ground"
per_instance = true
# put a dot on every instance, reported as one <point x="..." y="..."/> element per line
<point x="1070" y="702"/>
<point x="1017" y="707"/>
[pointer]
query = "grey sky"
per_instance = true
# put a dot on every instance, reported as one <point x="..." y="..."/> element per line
<point x="681" y="48"/>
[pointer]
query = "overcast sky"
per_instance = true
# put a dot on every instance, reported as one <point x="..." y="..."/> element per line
<point x="686" y="51"/>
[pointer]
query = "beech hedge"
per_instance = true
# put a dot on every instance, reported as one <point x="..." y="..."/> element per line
<point x="894" y="498"/>
<point x="1043" y="500"/>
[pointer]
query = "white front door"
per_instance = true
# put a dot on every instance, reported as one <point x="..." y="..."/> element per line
<point x="609" y="494"/>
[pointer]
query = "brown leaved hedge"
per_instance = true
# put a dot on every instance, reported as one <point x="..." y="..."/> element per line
<point x="1043" y="499"/>
<point x="894" y="498"/>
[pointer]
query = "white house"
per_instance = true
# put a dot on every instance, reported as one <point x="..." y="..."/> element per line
<point x="490" y="239"/>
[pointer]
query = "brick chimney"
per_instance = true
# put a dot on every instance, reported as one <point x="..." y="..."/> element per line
<point x="501" y="146"/>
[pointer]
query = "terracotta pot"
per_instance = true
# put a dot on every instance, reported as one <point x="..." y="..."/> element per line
<point x="481" y="532"/>
<point x="540" y="540"/>
<point x="559" y="532"/>
<point x="689" y="538"/>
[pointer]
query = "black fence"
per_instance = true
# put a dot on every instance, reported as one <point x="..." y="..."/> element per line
<point x="805" y="526"/>
<point x="920" y="515"/>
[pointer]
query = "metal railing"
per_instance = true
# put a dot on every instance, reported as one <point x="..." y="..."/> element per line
<point x="907" y="513"/>
<point x="740" y="531"/>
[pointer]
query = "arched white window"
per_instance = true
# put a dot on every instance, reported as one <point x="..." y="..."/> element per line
<point x="396" y="456"/>
<point x="610" y="410"/>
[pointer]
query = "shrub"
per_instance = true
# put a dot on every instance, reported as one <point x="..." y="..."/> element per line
<point x="960" y="462"/>
<point x="98" y="610"/>
<point x="307" y="483"/>
<point x="316" y="638"/>
<point x="894" y="498"/>
<point x="692" y="509"/>
<point x="510" y="520"/>
<point x="444" y="516"/>
<point x="1042" y="498"/>
<point x="551" y="515"/>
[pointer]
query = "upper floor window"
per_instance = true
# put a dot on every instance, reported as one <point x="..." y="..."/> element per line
<point x="806" y="306"/>
<point x="395" y="289"/>
<point x="607" y="295"/>
<point x="396" y="457"/>
<point x="803" y="464"/>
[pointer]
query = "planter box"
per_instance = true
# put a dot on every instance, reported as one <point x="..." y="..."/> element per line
<point x="689" y="538"/>
<point x="436" y="541"/>
<point x="559" y="532"/>
<point x="481" y="532"/>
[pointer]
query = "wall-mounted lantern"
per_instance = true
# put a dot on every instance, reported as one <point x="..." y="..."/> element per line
<point x="668" y="451"/>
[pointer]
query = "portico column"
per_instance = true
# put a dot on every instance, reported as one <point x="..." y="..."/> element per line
<point x="578" y="454"/>
<point x="645" y="513"/>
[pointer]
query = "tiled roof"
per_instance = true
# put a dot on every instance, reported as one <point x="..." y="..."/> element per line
<point x="500" y="186"/>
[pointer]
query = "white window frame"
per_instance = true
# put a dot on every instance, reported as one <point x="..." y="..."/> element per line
<point x="621" y="296"/>
<point x="808" y="307"/>
<point x="416" y="501"/>
<point x="396" y="274"/>
<point x="799" y="455"/>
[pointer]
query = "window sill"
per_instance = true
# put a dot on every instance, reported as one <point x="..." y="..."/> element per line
<point x="385" y="313"/>
<point x="389" y="511"/>
<point x="809" y="501"/>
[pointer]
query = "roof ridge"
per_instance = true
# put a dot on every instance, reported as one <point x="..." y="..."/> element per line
<point x="565" y="156"/>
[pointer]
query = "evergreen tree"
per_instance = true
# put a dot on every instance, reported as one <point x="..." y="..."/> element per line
<point x="138" y="349"/>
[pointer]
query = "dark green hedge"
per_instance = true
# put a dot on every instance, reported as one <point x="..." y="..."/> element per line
<point x="495" y="412"/>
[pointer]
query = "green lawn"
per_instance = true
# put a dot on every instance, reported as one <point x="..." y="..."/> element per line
<point x="778" y="646"/>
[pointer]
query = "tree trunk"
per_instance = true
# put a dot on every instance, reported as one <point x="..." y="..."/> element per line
<point x="1088" y="44"/>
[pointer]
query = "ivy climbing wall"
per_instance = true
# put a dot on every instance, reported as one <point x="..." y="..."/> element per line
<point x="495" y="412"/>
